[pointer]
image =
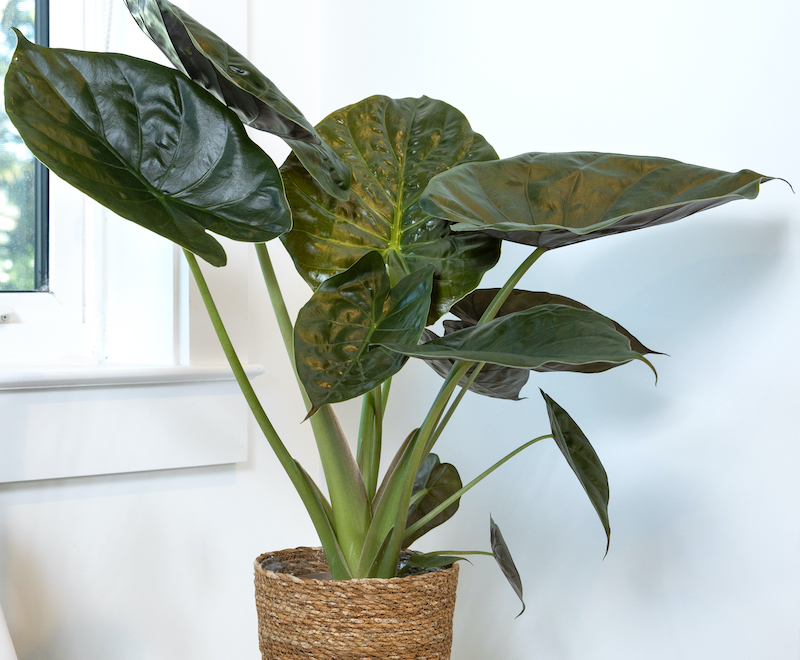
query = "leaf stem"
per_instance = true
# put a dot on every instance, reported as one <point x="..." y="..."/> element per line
<point x="489" y="314"/>
<point x="457" y="495"/>
<point x="508" y="287"/>
<point x="300" y="480"/>
<point x="370" y="440"/>
<point x="351" y="510"/>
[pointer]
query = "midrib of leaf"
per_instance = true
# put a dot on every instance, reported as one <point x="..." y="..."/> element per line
<point x="395" y="244"/>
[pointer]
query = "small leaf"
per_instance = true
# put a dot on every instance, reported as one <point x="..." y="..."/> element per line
<point x="503" y="557"/>
<point x="394" y="147"/>
<point x="582" y="458"/>
<point x="438" y="481"/>
<point x="429" y="560"/>
<point x="148" y="144"/>
<point x="231" y="78"/>
<point x="554" y="199"/>
<point x="347" y="314"/>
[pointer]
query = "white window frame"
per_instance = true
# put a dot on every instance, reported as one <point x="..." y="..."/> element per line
<point x="112" y="369"/>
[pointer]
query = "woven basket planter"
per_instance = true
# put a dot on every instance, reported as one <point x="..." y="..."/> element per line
<point x="408" y="618"/>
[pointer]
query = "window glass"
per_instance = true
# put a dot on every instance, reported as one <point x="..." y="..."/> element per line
<point x="23" y="181"/>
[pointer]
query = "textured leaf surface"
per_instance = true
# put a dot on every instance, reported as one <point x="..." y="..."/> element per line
<point x="437" y="481"/>
<point x="148" y="144"/>
<point x="230" y="77"/>
<point x="394" y="147"/>
<point x="503" y="557"/>
<point x="555" y="199"/>
<point x="532" y="338"/>
<point x="345" y="315"/>
<point x="582" y="458"/>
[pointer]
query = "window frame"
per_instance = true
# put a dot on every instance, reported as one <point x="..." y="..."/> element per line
<point x="109" y="334"/>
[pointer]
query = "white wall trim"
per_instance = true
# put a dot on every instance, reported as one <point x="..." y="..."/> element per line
<point x="40" y="379"/>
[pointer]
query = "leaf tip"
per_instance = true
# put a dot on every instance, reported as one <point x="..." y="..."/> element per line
<point x="649" y="364"/>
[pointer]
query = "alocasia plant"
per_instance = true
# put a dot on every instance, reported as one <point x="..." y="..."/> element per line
<point x="392" y="210"/>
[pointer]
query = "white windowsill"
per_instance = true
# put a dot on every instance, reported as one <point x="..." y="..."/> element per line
<point x="41" y="378"/>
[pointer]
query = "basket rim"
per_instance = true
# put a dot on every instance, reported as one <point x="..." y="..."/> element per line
<point x="443" y="571"/>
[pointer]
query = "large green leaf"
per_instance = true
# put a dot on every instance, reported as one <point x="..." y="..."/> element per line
<point x="345" y="315"/>
<point x="434" y="483"/>
<point x="555" y="199"/>
<point x="582" y="458"/>
<point x="545" y="335"/>
<point x="506" y="382"/>
<point x="147" y="143"/>
<point x="394" y="147"/>
<point x="228" y="75"/>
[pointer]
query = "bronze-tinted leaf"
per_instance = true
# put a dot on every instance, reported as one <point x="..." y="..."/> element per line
<point x="348" y="313"/>
<point x="394" y="147"/>
<point x="470" y="309"/>
<point x="506" y="382"/>
<point x="437" y="482"/>
<point x="148" y="144"/>
<point x="582" y="458"/>
<point x="494" y="380"/>
<point x="230" y="77"/>
<point x="532" y="338"/>
<point x="554" y="199"/>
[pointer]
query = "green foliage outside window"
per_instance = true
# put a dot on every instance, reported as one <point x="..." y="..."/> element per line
<point x="17" y="169"/>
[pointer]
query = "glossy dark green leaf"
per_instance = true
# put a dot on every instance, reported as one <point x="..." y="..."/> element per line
<point x="503" y="557"/>
<point x="555" y="199"/>
<point x="436" y="482"/>
<point x="493" y="380"/>
<point x="394" y="147"/>
<point x="231" y="78"/>
<point x="147" y="143"/>
<point x="532" y="338"/>
<point x="348" y="313"/>
<point x="582" y="458"/>
<point x="506" y="382"/>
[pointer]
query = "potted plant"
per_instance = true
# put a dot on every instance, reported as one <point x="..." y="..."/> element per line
<point x="392" y="210"/>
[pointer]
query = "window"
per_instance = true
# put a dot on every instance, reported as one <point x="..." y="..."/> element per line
<point x="107" y="371"/>
<point x="23" y="195"/>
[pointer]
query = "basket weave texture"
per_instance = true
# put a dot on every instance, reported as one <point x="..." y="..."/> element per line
<point x="408" y="618"/>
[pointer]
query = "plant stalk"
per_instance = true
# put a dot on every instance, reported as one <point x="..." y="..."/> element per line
<point x="431" y="428"/>
<point x="349" y="502"/>
<point x="300" y="480"/>
<point x="457" y="495"/>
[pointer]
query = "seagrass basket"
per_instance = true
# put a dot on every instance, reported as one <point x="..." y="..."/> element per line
<point x="408" y="618"/>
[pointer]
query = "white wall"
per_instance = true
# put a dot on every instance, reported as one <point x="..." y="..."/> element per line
<point x="703" y="467"/>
